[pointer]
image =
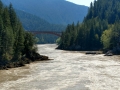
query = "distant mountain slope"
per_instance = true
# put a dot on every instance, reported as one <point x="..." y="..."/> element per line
<point x="32" y="22"/>
<point x="54" y="11"/>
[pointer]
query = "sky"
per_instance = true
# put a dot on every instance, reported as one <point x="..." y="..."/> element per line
<point x="81" y="2"/>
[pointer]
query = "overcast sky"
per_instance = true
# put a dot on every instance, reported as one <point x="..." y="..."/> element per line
<point x="81" y="2"/>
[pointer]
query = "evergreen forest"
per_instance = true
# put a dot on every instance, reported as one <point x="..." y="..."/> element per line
<point x="100" y="29"/>
<point x="15" y="42"/>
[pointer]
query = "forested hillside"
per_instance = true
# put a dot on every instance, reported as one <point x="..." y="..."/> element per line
<point x="39" y="14"/>
<point x="15" y="43"/>
<point x="100" y="29"/>
<point x="33" y="22"/>
<point x="53" y="11"/>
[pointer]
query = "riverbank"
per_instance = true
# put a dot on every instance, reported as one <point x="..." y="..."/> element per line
<point x="94" y="51"/>
<point x="68" y="71"/>
<point x="23" y="61"/>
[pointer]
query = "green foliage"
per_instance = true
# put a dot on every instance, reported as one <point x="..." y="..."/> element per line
<point x="106" y="38"/>
<point x="13" y="39"/>
<point x="46" y="38"/>
<point x="99" y="30"/>
<point x="58" y="41"/>
<point x="111" y="38"/>
<point x="68" y="37"/>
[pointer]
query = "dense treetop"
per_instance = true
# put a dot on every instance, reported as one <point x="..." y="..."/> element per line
<point x="100" y="29"/>
<point x="14" y="41"/>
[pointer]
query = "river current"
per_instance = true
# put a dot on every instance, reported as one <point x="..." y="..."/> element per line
<point x="68" y="70"/>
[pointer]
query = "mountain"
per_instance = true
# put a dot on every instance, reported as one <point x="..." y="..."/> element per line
<point x="100" y="29"/>
<point x="53" y="11"/>
<point x="32" y="22"/>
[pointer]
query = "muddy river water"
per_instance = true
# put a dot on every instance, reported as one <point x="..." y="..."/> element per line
<point x="69" y="70"/>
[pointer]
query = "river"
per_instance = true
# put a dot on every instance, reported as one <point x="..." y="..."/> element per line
<point x="69" y="70"/>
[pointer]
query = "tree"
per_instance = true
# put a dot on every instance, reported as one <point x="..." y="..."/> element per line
<point x="14" y="41"/>
<point x="7" y="35"/>
<point x="106" y="39"/>
<point x="100" y="28"/>
<point x="29" y="43"/>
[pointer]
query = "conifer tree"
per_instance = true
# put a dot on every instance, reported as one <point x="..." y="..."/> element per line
<point x="100" y="28"/>
<point x="7" y="35"/>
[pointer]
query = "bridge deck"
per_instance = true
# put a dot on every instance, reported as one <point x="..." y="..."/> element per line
<point x="47" y="32"/>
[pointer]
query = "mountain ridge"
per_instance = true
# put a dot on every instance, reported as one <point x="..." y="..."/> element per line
<point x="53" y="11"/>
<point x="32" y="22"/>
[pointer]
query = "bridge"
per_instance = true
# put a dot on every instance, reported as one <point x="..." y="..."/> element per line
<point x="46" y="32"/>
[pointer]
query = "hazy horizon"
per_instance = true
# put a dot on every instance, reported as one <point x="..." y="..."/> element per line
<point x="81" y="2"/>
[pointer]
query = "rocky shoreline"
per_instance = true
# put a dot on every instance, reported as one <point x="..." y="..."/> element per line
<point x="23" y="61"/>
<point x="109" y="53"/>
<point x="114" y="51"/>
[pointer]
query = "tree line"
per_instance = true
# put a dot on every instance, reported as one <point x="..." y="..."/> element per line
<point x="15" y="43"/>
<point x="100" y="29"/>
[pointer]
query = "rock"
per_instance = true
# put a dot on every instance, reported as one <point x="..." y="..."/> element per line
<point x="90" y="52"/>
<point x="93" y="52"/>
<point x="109" y="53"/>
<point x="44" y="58"/>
